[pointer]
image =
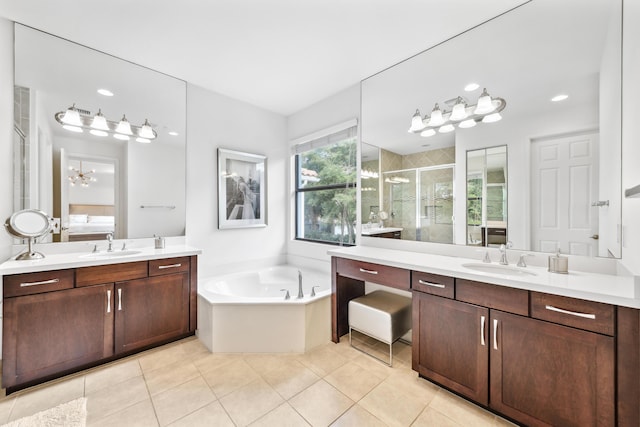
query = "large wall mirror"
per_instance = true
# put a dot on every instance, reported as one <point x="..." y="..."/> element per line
<point x="552" y="104"/>
<point x="91" y="181"/>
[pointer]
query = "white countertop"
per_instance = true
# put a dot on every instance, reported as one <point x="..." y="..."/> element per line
<point x="606" y="288"/>
<point x="86" y="259"/>
<point x="379" y="230"/>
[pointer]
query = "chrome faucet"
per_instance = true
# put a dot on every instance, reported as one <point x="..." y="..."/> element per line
<point x="110" y="240"/>
<point x="300" y="293"/>
<point x="503" y="253"/>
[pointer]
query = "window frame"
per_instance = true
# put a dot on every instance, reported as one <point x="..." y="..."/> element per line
<point x="298" y="190"/>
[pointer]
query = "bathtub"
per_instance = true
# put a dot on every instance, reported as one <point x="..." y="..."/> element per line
<point x="247" y="312"/>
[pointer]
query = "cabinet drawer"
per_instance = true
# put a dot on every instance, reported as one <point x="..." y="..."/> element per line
<point x="389" y="276"/>
<point x="432" y="284"/>
<point x="158" y="267"/>
<point x="35" y="283"/>
<point x="588" y="315"/>
<point x="493" y="296"/>
<point x="109" y="273"/>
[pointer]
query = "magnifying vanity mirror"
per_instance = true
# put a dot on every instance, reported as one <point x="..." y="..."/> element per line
<point x="94" y="178"/>
<point x="514" y="134"/>
<point x="28" y="224"/>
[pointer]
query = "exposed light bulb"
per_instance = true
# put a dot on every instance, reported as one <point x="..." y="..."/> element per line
<point x="428" y="132"/>
<point x="492" y="118"/>
<point x="72" y="128"/>
<point x="466" y="124"/>
<point x="97" y="132"/>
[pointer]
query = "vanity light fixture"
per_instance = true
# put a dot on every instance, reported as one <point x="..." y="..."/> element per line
<point x="77" y="120"/>
<point x="486" y="110"/>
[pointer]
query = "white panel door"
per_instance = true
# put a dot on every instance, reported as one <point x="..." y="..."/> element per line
<point x="564" y="183"/>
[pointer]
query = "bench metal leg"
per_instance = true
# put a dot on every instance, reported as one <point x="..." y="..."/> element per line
<point x="389" y="363"/>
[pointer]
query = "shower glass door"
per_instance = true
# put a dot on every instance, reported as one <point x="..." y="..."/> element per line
<point x="436" y="204"/>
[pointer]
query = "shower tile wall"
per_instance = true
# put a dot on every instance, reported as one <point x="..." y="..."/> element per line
<point x="370" y="191"/>
<point x="404" y="214"/>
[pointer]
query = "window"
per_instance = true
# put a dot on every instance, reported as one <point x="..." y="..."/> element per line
<point x="326" y="188"/>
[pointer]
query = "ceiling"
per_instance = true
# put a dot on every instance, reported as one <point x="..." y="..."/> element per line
<point x="280" y="55"/>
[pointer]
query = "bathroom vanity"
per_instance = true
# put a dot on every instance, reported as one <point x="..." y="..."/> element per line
<point x="539" y="348"/>
<point x="68" y="312"/>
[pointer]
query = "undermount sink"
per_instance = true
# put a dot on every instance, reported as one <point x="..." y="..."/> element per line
<point x="503" y="270"/>
<point x="114" y="254"/>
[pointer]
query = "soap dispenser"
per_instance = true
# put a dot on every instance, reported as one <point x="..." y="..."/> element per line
<point x="159" y="242"/>
<point x="558" y="263"/>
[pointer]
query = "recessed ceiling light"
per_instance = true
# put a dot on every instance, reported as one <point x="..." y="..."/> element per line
<point x="105" y="92"/>
<point x="471" y="87"/>
<point x="172" y="133"/>
<point x="558" y="98"/>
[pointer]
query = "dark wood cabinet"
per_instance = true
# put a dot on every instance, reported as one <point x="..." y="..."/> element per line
<point x="450" y="344"/>
<point x="540" y="359"/>
<point x="53" y="332"/>
<point x="547" y="374"/>
<point x="151" y="310"/>
<point x="57" y="322"/>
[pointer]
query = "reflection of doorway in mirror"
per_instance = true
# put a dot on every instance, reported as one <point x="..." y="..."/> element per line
<point x="564" y="182"/>
<point x="91" y="204"/>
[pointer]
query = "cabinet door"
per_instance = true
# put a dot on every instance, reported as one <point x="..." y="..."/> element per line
<point x="49" y="333"/>
<point x="151" y="310"/>
<point x="547" y="374"/>
<point x="452" y="346"/>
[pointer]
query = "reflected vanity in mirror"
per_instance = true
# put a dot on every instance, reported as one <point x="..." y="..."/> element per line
<point x="554" y="98"/>
<point x="77" y="163"/>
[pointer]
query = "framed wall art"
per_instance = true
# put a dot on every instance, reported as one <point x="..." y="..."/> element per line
<point x="242" y="198"/>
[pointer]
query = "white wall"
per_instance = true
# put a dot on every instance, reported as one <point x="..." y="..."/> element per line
<point x="215" y="121"/>
<point x="631" y="134"/>
<point x="516" y="134"/>
<point x="150" y="185"/>
<point x="336" y="109"/>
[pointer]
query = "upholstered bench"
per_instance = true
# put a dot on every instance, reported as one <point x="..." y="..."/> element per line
<point x="381" y="315"/>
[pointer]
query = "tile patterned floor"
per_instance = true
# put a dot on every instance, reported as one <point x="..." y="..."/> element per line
<point x="182" y="384"/>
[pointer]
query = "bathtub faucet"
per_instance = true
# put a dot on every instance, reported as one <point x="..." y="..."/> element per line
<point x="300" y="293"/>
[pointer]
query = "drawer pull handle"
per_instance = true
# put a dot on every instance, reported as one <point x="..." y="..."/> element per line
<point x="368" y="271"/>
<point x="435" y="285"/>
<point x="109" y="301"/>
<point x="119" y="299"/>
<point x="162" y="267"/>
<point x="495" y="334"/>
<point x="44" y="282"/>
<point x="572" y="313"/>
<point x="482" y="330"/>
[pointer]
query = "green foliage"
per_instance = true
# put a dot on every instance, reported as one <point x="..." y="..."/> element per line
<point x="330" y="214"/>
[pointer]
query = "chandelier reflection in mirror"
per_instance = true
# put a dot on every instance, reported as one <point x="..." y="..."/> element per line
<point x="78" y="120"/>
<point x="81" y="177"/>
<point x="461" y="114"/>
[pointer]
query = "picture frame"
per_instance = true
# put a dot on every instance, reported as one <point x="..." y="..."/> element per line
<point x="242" y="189"/>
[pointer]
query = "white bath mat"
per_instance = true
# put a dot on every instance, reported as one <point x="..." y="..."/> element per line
<point x="70" y="414"/>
